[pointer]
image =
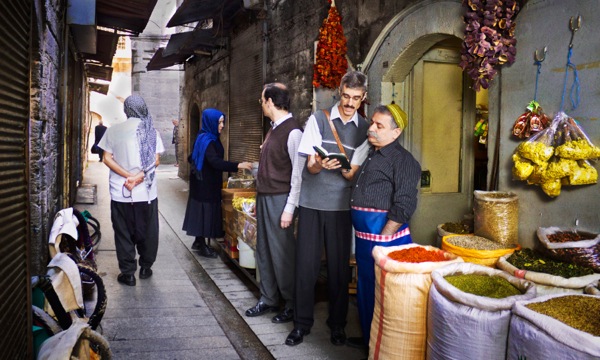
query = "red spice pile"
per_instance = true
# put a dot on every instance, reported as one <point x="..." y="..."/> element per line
<point x="568" y="236"/>
<point x="416" y="255"/>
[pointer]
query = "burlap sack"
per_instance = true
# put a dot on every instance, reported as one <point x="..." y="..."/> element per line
<point x="399" y="327"/>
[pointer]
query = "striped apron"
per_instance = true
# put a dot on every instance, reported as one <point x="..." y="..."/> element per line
<point x="368" y="224"/>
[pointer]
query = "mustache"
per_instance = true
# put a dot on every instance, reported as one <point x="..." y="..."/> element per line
<point x="373" y="134"/>
<point x="349" y="107"/>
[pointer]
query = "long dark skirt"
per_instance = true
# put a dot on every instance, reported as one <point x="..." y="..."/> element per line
<point x="203" y="219"/>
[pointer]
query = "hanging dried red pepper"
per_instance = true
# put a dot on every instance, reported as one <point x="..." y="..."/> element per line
<point x="331" y="63"/>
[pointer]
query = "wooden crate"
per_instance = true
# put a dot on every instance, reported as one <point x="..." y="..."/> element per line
<point x="227" y="194"/>
<point x="230" y="246"/>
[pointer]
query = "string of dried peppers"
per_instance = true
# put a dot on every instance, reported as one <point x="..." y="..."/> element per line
<point x="489" y="38"/>
<point x="331" y="63"/>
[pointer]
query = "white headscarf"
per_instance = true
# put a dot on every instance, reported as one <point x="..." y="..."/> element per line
<point x="135" y="107"/>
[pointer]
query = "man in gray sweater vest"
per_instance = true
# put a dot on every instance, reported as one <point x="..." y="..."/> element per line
<point x="324" y="209"/>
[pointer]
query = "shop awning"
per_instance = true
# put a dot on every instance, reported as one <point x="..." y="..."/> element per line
<point x="126" y="15"/>
<point x="99" y="88"/>
<point x="98" y="72"/>
<point x="187" y="42"/>
<point x="159" y="61"/>
<point x="105" y="49"/>
<point x="195" y="10"/>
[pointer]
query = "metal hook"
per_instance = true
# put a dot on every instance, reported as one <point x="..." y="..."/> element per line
<point x="543" y="57"/>
<point x="574" y="27"/>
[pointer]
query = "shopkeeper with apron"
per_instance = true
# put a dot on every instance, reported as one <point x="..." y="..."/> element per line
<point x="384" y="198"/>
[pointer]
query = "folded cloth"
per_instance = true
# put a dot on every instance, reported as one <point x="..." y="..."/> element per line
<point x="64" y="223"/>
<point x="62" y="345"/>
<point x="66" y="281"/>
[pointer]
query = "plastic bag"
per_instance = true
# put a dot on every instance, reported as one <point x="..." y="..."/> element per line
<point x="531" y="121"/>
<point x="556" y="156"/>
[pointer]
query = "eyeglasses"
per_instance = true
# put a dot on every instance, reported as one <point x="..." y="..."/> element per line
<point x="354" y="98"/>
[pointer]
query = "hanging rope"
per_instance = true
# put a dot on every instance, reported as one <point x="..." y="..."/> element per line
<point x="537" y="77"/>
<point x="575" y="89"/>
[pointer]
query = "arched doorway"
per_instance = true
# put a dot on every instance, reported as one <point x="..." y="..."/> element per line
<point x="194" y="126"/>
<point x="414" y="63"/>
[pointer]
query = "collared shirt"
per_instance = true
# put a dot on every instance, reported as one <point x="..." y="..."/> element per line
<point x="295" y="182"/>
<point x="312" y="136"/>
<point x="388" y="180"/>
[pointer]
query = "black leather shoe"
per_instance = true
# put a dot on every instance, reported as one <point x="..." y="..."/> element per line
<point x="338" y="336"/>
<point x="356" y="342"/>
<point x="296" y="336"/>
<point x="208" y="252"/>
<point x="197" y="245"/>
<point x="286" y="315"/>
<point x="145" y="273"/>
<point x="259" y="309"/>
<point x="126" y="279"/>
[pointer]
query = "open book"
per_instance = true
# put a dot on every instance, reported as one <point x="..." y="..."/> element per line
<point x="338" y="156"/>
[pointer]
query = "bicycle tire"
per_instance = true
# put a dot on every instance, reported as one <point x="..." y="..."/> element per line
<point x="101" y="301"/>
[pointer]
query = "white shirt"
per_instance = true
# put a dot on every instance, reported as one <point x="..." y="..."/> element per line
<point x="121" y="140"/>
<point x="312" y="137"/>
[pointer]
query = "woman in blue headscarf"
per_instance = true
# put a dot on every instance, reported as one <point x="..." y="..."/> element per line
<point x="203" y="217"/>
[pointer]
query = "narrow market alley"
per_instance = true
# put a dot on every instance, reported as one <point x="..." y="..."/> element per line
<point x="192" y="307"/>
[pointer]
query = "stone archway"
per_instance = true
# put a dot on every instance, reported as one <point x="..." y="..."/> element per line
<point x="407" y="37"/>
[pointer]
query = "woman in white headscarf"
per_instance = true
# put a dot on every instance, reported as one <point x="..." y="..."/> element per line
<point x="131" y="151"/>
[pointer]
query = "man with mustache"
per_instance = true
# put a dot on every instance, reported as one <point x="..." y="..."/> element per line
<point x="324" y="208"/>
<point x="384" y="197"/>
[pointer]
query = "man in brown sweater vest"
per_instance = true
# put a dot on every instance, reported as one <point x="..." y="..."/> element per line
<point x="278" y="189"/>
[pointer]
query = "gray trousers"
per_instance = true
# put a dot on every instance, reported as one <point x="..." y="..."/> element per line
<point x="136" y="226"/>
<point x="275" y="251"/>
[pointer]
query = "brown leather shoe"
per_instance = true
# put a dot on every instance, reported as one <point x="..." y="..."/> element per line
<point x="296" y="336"/>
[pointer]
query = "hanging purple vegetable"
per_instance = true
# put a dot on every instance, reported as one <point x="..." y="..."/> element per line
<point x="489" y="38"/>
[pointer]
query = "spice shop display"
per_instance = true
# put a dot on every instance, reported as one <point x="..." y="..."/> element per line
<point x="489" y="40"/>
<point x="571" y="246"/>
<point x="497" y="216"/>
<point x="477" y="249"/>
<point x="451" y="228"/>
<point x="549" y="275"/>
<point x="399" y="326"/>
<point x="463" y="321"/>
<point x="555" y="327"/>
<point x="556" y="156"/>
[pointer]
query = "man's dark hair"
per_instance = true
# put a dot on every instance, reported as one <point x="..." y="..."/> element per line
<point x="279" y="94"/>
<point x="354" y="80"/>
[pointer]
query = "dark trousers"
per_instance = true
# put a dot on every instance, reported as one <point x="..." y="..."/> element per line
<point x="275" y="251"/>
<point x="135" y="226"/>
<point x="315" y="229"/>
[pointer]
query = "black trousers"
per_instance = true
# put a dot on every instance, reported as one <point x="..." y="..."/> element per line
<point x="135" y="226"/>
<point x="315" y="229"/>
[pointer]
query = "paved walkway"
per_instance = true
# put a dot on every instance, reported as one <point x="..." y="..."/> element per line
<point x="192" y="307"/>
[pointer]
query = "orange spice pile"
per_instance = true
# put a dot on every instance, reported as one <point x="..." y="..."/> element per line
<point x="416" y="255"/>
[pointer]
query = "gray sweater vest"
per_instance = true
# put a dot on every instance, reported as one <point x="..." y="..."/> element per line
<point x="329" y="190"/>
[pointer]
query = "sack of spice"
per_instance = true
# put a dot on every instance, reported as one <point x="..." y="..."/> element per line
<point x="593" y="288"/>
<point x="469" y="310"/>
<point x="399" y="326"/>
<point x="550" y="276"/>
<point x="555" y="327"/>
<point x="497" y="216"/>
<point x="451" y="228"/>
<point x="477" y="249"/>
<point x="571" y="246"/>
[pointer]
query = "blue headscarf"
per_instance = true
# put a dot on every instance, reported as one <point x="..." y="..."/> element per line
<point x="209" y="132"/>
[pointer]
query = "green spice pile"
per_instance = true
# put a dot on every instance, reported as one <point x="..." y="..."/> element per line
<point x="483" y="285"/>
<point x="456" y="228"/>
<point x="527" y="259"/>
<point x="579" y="312"/>
<point x="477" y="243"/>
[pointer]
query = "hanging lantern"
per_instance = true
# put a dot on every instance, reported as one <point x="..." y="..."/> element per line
<point x="331" y="63"/>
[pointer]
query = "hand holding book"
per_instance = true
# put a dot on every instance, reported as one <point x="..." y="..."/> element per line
<point x="341" y="158"/>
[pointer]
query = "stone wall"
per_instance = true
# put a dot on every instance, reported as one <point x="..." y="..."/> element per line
<point x="44" y="148"/>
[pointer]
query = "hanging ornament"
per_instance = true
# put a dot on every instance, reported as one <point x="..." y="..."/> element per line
<point x="331" y="63"/>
